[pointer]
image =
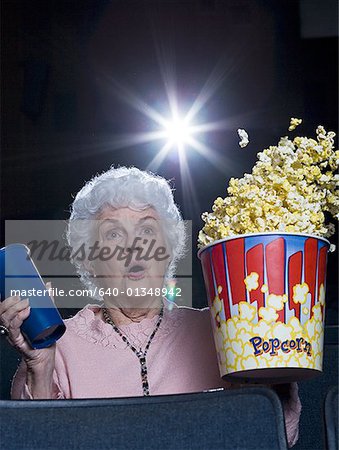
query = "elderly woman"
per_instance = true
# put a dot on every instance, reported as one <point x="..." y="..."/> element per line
<point x="134" y="342"/>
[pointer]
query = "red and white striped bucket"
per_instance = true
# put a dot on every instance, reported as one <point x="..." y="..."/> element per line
<point x="266" y="294"/>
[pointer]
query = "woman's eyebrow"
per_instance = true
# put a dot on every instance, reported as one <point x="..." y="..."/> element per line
<point x="113" y="221"/>
<point x="110" y="220"/>
<point x="143" y="219"/>
<point x="117" y="221"/>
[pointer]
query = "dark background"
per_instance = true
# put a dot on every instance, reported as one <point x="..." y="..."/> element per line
<point x="64" y="65"/>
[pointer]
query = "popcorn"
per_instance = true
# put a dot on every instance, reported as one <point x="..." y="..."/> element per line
<point x="300" y="293"/>
<point x="290" y="187"/>
<point x="220" y="340"/>
<point x="322" y="294"/>
<point x="247" y="349"/>
<point x="268" y="314"/>
<point x="261" y="328"/>
<point x="251" y="281"/>
<point x="249" y="363"/>
<point x="244" y="336"/>
<point x="317" y="312"/>
<point x="243" y="342"/>
<point x="264" y="288"/>
<point x="216" y="310"/>
<point x="244" y="138"/>
<point x="275" y="301"/>
<point x="295" y="325"/>
<point x="277" y="344"/>
<point x="281" y="331"/>
<point x="231" y="357"/>
<point x="244" y="324"/>
<point x="294" y="123"/>
<point x="232" y="328"/>
<point x="237" y="347"/>
<point x="246" y="311"/>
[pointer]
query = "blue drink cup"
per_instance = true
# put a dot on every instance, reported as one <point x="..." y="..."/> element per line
<point x="44" y="325"/>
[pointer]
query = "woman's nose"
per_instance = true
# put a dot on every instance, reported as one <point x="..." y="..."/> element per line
<point x="133" y="244"/>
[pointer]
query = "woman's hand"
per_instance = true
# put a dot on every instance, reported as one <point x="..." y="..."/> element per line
<point x="13" y="311"/>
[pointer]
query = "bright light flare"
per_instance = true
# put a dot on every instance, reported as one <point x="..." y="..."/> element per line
<point x="178" y="132"/>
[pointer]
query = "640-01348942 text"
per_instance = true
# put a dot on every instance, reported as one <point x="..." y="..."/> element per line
<point x="115" y="292"/>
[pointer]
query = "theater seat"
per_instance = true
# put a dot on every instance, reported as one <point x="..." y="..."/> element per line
<point x="331" y="418"/>
<point x="250" y="418"/>
<point x="312" y="394"/>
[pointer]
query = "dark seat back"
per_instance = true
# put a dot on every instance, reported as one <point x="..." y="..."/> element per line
<point x="312" y="394"/>
<point x="331" y="418"/>
<point x="249" y="418"/>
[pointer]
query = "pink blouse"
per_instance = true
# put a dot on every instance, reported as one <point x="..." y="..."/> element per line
<point x="92" y="361"/>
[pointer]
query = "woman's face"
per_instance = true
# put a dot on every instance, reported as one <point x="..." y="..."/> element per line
<point x="133" y="255"/>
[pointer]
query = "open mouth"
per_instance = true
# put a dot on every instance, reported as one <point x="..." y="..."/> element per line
<point x="136" y="272"/>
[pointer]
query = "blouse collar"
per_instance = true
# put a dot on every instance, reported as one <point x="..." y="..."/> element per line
<point x="89" y="326"/>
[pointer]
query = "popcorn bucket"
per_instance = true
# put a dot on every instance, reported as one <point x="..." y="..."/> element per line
<point x="266" y="293"/>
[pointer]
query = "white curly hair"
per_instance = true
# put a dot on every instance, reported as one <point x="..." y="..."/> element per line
<point x="125" y="187"/>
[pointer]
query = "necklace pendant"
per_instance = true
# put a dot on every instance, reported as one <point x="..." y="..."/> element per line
<point x="145" y="388"/>
<point x="142" y="360"/>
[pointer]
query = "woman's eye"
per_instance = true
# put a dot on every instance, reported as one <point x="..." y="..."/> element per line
<point x="112" y="235"/>
<point x="148" y="231"/>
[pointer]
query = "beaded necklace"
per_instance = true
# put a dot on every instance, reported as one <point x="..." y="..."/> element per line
<point x="139" y="353"/>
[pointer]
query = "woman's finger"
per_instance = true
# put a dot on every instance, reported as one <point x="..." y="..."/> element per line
<point x="15" y="337"/>
<point x="8" y="303"/>
<point x="16" y="322"/>
<point x="7" y="316"/>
